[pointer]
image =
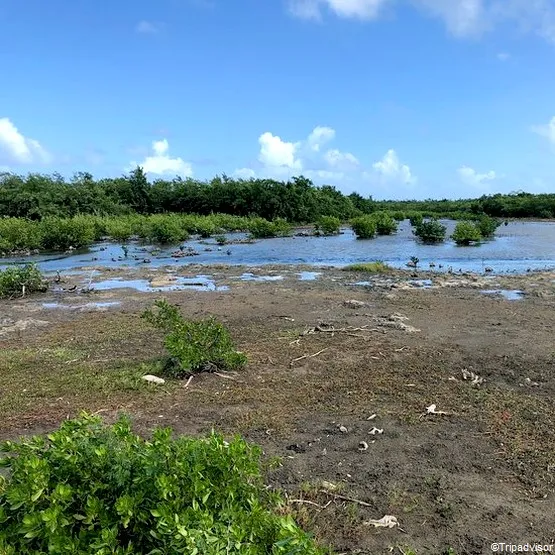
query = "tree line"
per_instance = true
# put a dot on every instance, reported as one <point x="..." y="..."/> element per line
<point x="297" y="200"/>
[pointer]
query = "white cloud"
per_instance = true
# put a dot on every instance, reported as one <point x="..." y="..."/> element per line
<point x="547" y="130"/>
<point x="147" y="27"/>
<point x="320" y="136"/>
<point x="337" y="159"/>
<point x="276" y="153"/>
<point x="469" y="176"/>
<point x="244" y="173"/>
<point x="391" y="170"/>
<point x="15" y="148"/>
<point x="361" y="9"/>
<point x="463" y="18"/>
<point x="503" y="56"/>
<point x="162" y="164"/>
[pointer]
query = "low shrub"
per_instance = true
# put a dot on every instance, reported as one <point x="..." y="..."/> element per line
<point x="260" y="228"/>
<point x="377" y="267"/>
<point x="487" y="226"/>
<point x="385" y="223"/>
<point x="18" y="234"/>
<point x="466" y="232"/>
<point x="416" y="219"/>
<point x="92" y="488"/>
<point x="364" y="227"/>
<point x="14" y="278"/>
<point x="193" y="347"/>
<point x="164" y="229"/>
<point x="328" y="225"/>
<point x="62" y="233"/>
<point x="431" y="231"/>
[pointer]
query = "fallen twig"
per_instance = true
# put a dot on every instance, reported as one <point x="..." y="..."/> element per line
<point x="307" y="502"/>
<point x="188" y="382"/>
<point x="224" y="376"/>
<point x="345" y="498"/>
<point x="306" y="356"/>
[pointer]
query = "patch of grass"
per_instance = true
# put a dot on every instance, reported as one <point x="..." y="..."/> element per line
<point x="193" y="346"/>
<point x="16" y="280"/>
<point x="91" y="487"/>
<point x="377" y="267"/>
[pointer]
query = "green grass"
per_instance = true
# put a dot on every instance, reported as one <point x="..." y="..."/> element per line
<point x="377" y="267"/>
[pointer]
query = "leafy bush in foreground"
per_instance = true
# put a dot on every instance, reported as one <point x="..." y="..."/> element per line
<point x="97" y="489"/>
<point x="14" y="278"/>
<point x="431" y="231"/>
<point x="193" y="346"/>
<point x="364" y="227"/>
<point x="465" y="233"/>
<point x="328" y="225"/>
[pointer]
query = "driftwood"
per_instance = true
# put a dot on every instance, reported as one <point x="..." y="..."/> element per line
<point x="306" y="356"/>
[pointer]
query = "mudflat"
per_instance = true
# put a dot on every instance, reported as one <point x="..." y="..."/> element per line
<point x="416" y="396"/>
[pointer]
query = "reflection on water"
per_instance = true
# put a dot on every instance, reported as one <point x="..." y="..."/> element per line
<point x="518" y="247"/>
<point x="509" y="294"/>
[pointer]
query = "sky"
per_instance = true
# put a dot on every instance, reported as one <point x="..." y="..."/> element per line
<point x="389" y="98"/>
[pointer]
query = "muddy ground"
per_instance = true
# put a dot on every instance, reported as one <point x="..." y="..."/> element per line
<point x="483" y="472"/>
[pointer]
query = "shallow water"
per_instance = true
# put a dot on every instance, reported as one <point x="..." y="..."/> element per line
<point x="199" y="283"/>
<point x="518" y="247"/>
<point x="508" y="294"/>
<point x="100" y="305"/>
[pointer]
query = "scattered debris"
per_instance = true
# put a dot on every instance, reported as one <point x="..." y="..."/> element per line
<point x="296" y="448"/>
<point x="432" y="410"/>
<point x="362" y="446"/>
<point x="329" y="486"/>
<point x="528" y="381"/>
<point x="154" y="379"/>
<point x="345" y="498"/>
<point x="354" y="304"/>
<point x="387" y="521"/>
<point x="188" y="382"/>
<point x="343" y="429"/>
<point x="375" y="431"/>
<point x="306" y="356"/>
<point x="372" y="416"/>
<point x="474" y="378"/>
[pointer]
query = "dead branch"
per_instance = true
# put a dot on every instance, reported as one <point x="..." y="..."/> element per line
<point x="188" y="382"/>
<point x="345" y="498"/>
<point x="227" y="377"/>
<point x="307" y="502"/>
<point x="306" y="356"/>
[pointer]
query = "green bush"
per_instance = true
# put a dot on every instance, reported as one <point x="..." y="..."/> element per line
<point x="385" y="223"/>
<point x="466" y="232"/>
<point x="431" y="231"/>
<point x="281" y="227"/>
<point x="164" y="229"/>
<point x="122" y="228"/>
<point x="14" y="278"/>
<point x="364" y="227"/>
<point x="92" y="488"/>
<point x="398" y="216"/>
<point x="328" y="225"/>
<point x="488" y="226"/>
<point x="18" y="234"/>
<point x="416" y="219"/>
<point x="62" y="233"/>
<point x="261" y="228"/>
<point x="377" y="267"/>
<point x="193" y="346"/>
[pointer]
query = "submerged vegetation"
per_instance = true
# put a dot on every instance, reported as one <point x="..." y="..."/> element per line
<point x="93" y="488"/>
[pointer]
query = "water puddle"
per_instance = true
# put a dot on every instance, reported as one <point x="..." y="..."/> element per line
<point x="93" y="305"/>
<point x="508" y="294"/>
<point x="308" y="276"/>
<point x="247" y="276"/>
<point x="198" y="283"/>
<point x="422" y="283"/>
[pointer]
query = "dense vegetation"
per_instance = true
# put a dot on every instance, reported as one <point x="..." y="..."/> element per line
<point x="297" y="200"/>
<point x="92" y="488"/>
<point x="430" y="231"/>
<point x="20" y="280"/>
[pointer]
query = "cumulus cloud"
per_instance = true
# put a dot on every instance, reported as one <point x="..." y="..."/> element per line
<point x="17" y="149"/>
<point x="276" y="153"/>
<point x="463" y="18"/>
<point x="341" y="160"/>
<point x="362" y="9"/>
<point x="547" y="130"/>
<point x="390" y="169"/>
<point x="147" y="27"/>
<point x="244" y="173"/>
<point x="469" y="176"/>
<point x="160" y="163"/>
<point x="320" y="136"/>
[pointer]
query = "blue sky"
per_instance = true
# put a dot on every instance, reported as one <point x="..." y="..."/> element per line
<point x="391" y="98"/>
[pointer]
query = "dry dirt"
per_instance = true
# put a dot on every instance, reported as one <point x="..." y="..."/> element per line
<point x="482" y="473"/>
